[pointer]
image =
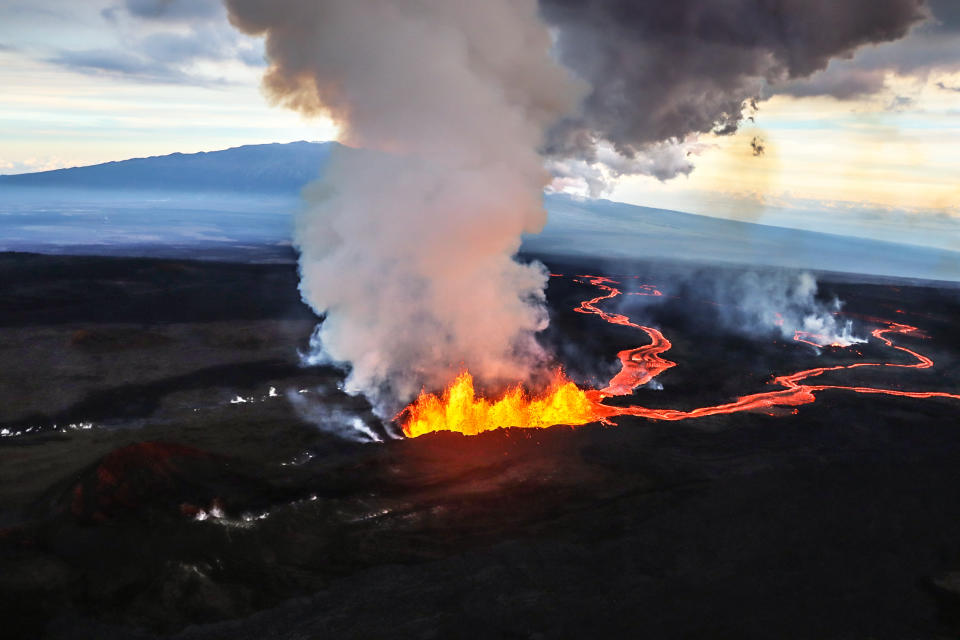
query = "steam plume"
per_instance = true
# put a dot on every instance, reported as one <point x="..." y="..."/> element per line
<point x="408" y="251"/>
<point x="784" y="301"/>
<point x="760" y="302"/>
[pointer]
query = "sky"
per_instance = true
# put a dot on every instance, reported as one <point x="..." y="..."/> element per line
<point x="867" y="147"/>
<point x="86" y="81"/>
<point x="828" y="163"/>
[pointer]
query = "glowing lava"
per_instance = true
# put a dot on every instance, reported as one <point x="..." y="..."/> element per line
<point x="459" y="409"/>
<point x="637" y="366"/>
<point x="563" y="403"/>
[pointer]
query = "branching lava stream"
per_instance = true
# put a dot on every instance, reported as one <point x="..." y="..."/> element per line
<point x="459" y="409"/>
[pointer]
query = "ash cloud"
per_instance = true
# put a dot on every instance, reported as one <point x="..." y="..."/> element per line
<point x="660" y="72"/>
<point x="408" y="250"/>
<point x="843" y="82"/>
<point x="931" y="46"/>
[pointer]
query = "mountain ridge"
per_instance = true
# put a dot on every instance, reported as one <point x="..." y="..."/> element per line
<point x="265" y="168"/>
<point x="245" y="196"/>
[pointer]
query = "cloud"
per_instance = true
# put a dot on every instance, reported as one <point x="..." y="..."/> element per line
<point x="844" y="83"/>
<point x="598" y="176"/>
<point x="177" y="48"/>
<point x="663" y="72"/>
<point x="946" y="14"/>
<point x="30" y="165"/>
<point x="175" y="10"/>
<point x="899" y="103"/>
<point x="203" y="43"/>
<point x="114" y="62"/>
<point x="659" y="72"/>
<point x="111" y="14"/>
<point x="931" y="46"/>
<point x="163" y="41"/>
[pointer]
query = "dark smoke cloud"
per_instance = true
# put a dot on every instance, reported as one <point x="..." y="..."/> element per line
<point x="932" y="46"/>
<point x="659" y="71"/>
<point x="663" y="70"/>
<point x="946" y="14"/>
<point x="843" y="82"/>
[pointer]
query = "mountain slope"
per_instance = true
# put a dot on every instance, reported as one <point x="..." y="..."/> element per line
<point x="264" y="168"/>
<point x="623" y="232"/>
<point x="244" y="197"/>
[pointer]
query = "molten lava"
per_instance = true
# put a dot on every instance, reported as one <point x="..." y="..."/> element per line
<point x="460" y="409"/>
<point x="563" y="403"/>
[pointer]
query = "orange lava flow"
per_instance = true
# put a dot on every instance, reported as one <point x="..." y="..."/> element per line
<point x="637" y="366"/>
<point x="459" y="409"/>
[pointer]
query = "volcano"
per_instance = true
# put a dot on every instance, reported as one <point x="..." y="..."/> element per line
<point x="175" y="472"/>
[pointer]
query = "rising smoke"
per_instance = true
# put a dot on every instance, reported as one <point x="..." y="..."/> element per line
<point x="760" y="303"/>
<point x="338" y="422"/>
<point x="408" y="251"/>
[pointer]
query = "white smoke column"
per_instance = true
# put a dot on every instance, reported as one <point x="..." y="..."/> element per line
<point x="757" y="302"/>
<point x="821" y="320"/>
<point x="408" y="250"/>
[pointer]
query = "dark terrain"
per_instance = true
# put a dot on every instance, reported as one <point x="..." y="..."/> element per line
<point x="151" y="484"/>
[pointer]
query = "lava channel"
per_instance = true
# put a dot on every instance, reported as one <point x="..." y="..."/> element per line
<point x="460" y="409"/>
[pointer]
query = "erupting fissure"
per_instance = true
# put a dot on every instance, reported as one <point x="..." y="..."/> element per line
<point x="459" y="408"/>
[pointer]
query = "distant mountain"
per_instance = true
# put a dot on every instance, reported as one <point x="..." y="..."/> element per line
<point x="262" y="168"/>
<point x="244" y="197"/>
<point x="618" y="231"/>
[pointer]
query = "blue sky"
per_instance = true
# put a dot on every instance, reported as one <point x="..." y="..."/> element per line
<point x="93" y="81"/>
<point x="87" y="82"/>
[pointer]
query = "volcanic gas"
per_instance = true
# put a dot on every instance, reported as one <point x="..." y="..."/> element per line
<point x="458" y="408"/>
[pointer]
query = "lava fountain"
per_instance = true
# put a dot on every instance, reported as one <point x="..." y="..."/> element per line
<point x="458" y="408"/>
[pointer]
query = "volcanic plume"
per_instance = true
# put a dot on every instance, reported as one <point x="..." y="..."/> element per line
<point x="408" y="251"/>
<point x="407" y="248"/>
